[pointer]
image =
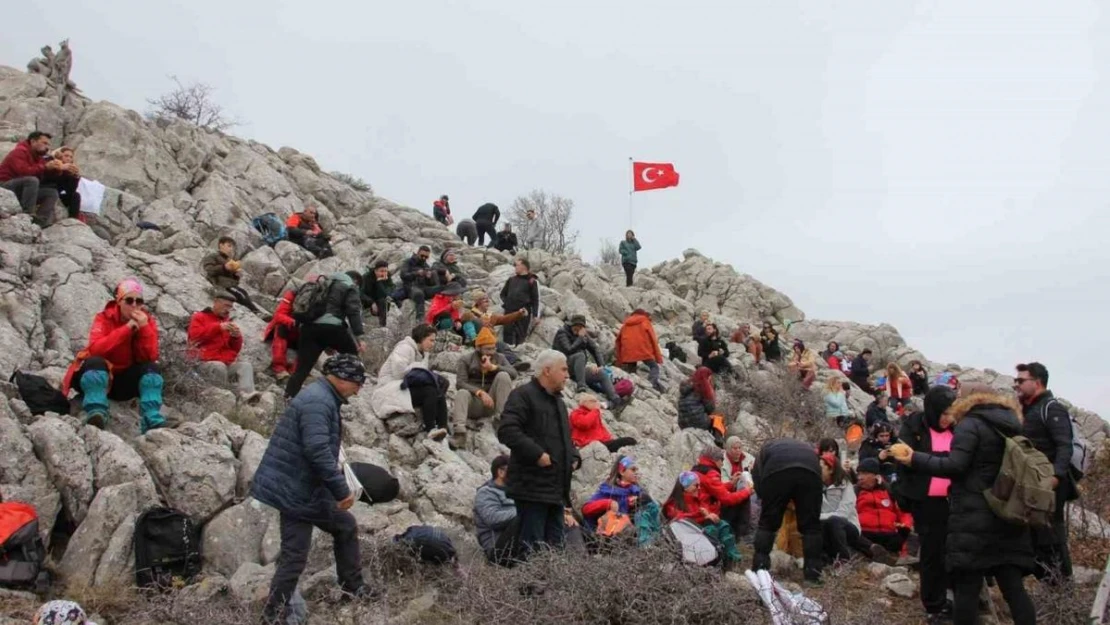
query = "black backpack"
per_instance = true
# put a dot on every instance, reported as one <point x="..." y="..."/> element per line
<point x="167" y="546"/>
<point x="21" y="548"/>
<point x="39" y="395"/>
<point x="431" y="544"/>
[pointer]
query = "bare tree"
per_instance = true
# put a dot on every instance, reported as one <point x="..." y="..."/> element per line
<point x="192" y="103"/>
<point x="609" y="255"/>
<point x="549" y="227"/>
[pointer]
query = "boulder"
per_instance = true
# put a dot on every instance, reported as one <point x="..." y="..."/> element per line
<point x="234" y="536"/>
<point x="67" y="462"/>
<point x="196" y="477"/>
<point x="251" y="582"/>
<point x="113" y="507"/>
<point x="22" y="476"/>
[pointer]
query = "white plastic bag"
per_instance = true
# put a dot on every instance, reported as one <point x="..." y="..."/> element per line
<point x="349" y="474"/>
<point x="787" y="608"/>
<point x="92" y="195"/>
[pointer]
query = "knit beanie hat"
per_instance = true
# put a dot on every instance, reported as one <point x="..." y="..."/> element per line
<point x="62" y="613"/>
<point x="485" y="337"/>
<point x="347" y="367"/>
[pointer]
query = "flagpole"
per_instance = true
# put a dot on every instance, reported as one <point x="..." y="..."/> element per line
<point x="630" y="173"/>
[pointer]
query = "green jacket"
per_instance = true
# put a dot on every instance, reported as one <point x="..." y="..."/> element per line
<point x="628" y="251"/>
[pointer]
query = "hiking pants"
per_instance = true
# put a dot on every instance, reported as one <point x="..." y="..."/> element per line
<point x="314" y="339"/>
<point x="468" y="407"/>
<point x="804" y="488"/>
<point x="284" y="337"/>
<point x="382" y="305"/>
<point x="515" y="332"/>
<point x="597" y="380"/>
<point x="930" y="520"/>
<point x="967" y="584"/>
<point x="219" y="374"/>
<point x="1050" y="544"/>
<point x="243" y="298"/>
<point x="31" y="193"/>
<point x="629" y="271"/>
<point x="892" y="542"/>
<point x="432" y="404"/>
<point x="484" y="228"/>
<point x="67" y="191"/>
<point x="418" y="297"/>
<point x="739" y="517"/>
<point x="296" y="541"/>
<point x="541" y="524"/>
<point x="617" y="443"/>
<point x="840" y="537"/>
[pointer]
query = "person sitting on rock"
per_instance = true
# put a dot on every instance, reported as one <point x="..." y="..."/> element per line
<point x="486" y="218"/>
<point x="482" y="317"/>
<point x="587" y="427"/>
<point x="282" y="333"/>
<point x="377" y="287"/>
<point x="339" y="328"/>
<point x="120" y="360"/>
<point x="620" y="493"/>
<point x="484" y="379"/>
<point x="836" y="401"/>
<point x="881" y="520"/>
<point x="305" y="230"/>
<point x="727" y="499"/>
<point x="877" y="446"/>
<point x="685" y="504"/>
<point x="698" y="329"/>
<point x="22" y="170"/>
<point x="919" y="377"/>
<point x="301" y="477"/>
<point x="65" y="180"/>
<point x="441" y="210"/>
<point x="832" y="355"/>
<point x="840" y="526"/>
<point x="445" y="313"/>
<point x="505" y="241"/>
<point x="406" y="382"/>
<point x="636" y="343"/>
<point x="495" y="518"/>
<point x="769" y="338"/>
<point x="521" y="292"/>
<point x="861" y="372"/>
<point x="447" y="270"/>
<point x="713" y="351"/>
<point x="734" y="470"/>
<point x="467" y="231"/>
<point x="899" y="387"/>
<point x="803" y="362"/>
<point x="743" y="336"/>
<point x="418" y="281"/>
<point x="877" y="411"/>
<point x="574" y="341"/>
<point x="223" y="271"/>
<point x="697" y="401"/>
<point x="215" y="341"/>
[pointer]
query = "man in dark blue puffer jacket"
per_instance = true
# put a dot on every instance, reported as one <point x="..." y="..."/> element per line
<point x="301" y="477"/>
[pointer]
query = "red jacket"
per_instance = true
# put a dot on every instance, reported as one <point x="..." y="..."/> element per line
<point x="113" y="340"/>
<point x="693" y="511"/>
<point x="21" y="162"/>
<point x="294" y="221"/>
<point x="440" y="304"/>
<point x="209" y="342"/>
<point x="902" y="390"/>
<point x="586" y="427"/>
<point x="714" y="492"/>
<point x="878" y="512"/>
<point x="283" y="316"/>
<point x="636" y="341"/>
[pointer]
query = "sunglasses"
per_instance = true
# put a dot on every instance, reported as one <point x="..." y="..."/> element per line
<point x="1019" y="381"/>
<point x="133" y="301"/>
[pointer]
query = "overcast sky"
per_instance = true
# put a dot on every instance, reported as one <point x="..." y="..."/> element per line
<point x="941" y="166"/>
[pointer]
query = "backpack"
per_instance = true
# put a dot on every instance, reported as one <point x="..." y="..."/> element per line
<point x="311" y="300"/>
<point x="624" y="387"/>
<point x="612" y="524"/>
<point x="695" y="545"/>
<point x="271" y="228"/>
<point x="1081" y="448"/>
<point x="430" y="543"/>
<point x="1022" y="493"/>
<point x="39" y="395"/>
<point x="21" y="548"/>
<point x="167" y="548"/>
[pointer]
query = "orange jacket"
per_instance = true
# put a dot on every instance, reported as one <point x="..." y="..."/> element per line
<point x="294" y="221"/>
<point x="636" y="341"/>
<point x="111" y="339"/>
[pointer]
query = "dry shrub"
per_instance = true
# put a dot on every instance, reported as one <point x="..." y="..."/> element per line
<point x="777" y="396"/>
<point x="180" y="378"/>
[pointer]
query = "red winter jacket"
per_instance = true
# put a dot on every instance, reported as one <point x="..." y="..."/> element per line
<point x="902" y="390"/>
<point x="113" y="340"/>
<point x="442" y="304"/>
<point x="693" y="511"/>
<point x="878" y="512"/>
<point x="208" y="342"/>
<point x="586" y="427"/>
<point x="714" y="492"/>
<point x="295" y="221"/>
<point x="283" y="316"/>
<point x="21" y="162"/>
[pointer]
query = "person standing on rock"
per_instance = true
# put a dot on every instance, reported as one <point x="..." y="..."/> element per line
<point x="573" y="340"/>
<point x="628" y="248"/>
<point x="785" y="471"/>
<point x="636" y="343"/>
<point x="418" y="281"/>
<point x="282" y="332"/>
<point x="223" y="270"/>
<point x="339" y="328"/>
<point x="377" y="286"/>
<point x="305" y="230"/>
<point x="120" y="360"/>
<point x="1048" y="425"/>
<point x="300" y="475"/>
<point x="22" y="170"/>
<point x="521" y="292"/>
<point x="535" y="428"/>
<point x="486" y="218"/>
<point x="484" y="379"/>
<point x="215" y="341"/>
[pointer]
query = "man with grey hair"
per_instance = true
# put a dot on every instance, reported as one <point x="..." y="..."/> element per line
<point x="535" y="428"/>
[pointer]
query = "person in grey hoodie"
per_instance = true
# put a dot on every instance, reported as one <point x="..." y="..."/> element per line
<point x="339" y="328"/>
<point x="495" y="515"/>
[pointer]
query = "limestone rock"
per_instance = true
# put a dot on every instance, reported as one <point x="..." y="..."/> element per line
<point x="197" y="477"/>
<point x="901" y="585"/>
<point x="251" y="582"/>
<point x="114" y="507"/>
<point x="234" y="536"/>
<point x="67" y="462"/>
<point x="250" y="456"/>
<point x="22" y="476"/>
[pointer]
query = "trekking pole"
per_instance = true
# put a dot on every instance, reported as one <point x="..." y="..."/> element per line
<point x="1098" y="610"/>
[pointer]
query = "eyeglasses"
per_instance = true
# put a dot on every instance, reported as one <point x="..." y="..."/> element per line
<point x="133" y="301"/>
<point x="1018" y="381"/>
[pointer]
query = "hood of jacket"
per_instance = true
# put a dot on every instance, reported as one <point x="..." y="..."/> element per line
<point x="997" y="410"/>
<point x="342" y="278"/>
<point x="937" y="400"/>
<point x="637" y="319"/>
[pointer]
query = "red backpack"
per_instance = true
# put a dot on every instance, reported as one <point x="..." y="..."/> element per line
<point x="21" y="548"/>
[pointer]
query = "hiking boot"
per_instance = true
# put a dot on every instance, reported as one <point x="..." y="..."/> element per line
<point x="437" y="434"/>
<point x="878" y="554"/>
<point x="522" y="366"/>
<point x="97" y="419"/>
<point x="281" y="376"/>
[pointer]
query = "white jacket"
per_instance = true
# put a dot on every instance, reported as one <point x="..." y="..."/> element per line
<point x="388" y="397"/>
<point x="840" y="501"/>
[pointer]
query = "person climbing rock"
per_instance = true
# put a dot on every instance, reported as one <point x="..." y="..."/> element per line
<point x="486" y="218"/>
<point x="628" y="248"/>
<point x="339" y="328"/>
<point x="282" y="333"/>
<point x="636" y="343"/>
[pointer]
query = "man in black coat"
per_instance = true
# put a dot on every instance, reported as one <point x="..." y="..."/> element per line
<point x="574" y="341"/>
<point x="505" y="241"/>
<point x="486" y="218"/>
<point x="300" y="476"/>
<point x="447" y="270"/>
<point x="861" y="372"/>
<point x="522" y="291"/>
<point x="788" y="470"/>
<point x="535" y="428"/>
<point x="1048" y="425"/>
<point x="418" y="281"/>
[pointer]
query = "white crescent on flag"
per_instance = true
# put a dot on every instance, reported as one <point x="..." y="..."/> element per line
<point x="650" y="179"/>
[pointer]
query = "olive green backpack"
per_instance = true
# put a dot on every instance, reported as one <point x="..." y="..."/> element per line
<point x="1022" y="493"/>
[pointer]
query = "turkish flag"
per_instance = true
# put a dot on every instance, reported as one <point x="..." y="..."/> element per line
<point x="648" y="176"/>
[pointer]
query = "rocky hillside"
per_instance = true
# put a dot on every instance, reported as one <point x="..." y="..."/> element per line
<point x="198" y="185"/>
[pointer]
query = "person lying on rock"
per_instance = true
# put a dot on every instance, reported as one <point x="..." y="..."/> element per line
<point x="300" y="475"/>
<point x="377" y="287"/>
<point x="587" y="427"/>
<point x="685" y="504"/>
<point x="215" y="342"/>
<point x="484" y="379"/>
<point x="573" y="340"/>
<point x="282" y="333"/>
<point x="713" y="350"/>
<point x="339" y="328"/>
<point x="636" y="343"/>
<point x="223" y="270"/>
<point x="120" y="360"/>
<point x="495" y="517"/>
<point x="305" y="230"/>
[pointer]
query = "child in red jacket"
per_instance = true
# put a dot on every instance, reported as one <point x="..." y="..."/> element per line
<point x="881" y="520"/>
<point x="586" y="426"/>
<point x="282" y="333"/>
<point x="685" y="504"/>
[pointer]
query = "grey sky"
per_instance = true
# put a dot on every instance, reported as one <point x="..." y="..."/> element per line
<point x="940" y="166"/>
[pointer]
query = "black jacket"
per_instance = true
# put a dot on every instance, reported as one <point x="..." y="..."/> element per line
<point x="698" y="330"/>
<point x="344" y="304"/>
<point x="409" y="277"/>
<point x="442" y="267"/>
<point x="505" y="241"/>
<point x="920" y="381"/>
<point x="488" y="212"/>
<point x="569" y="343"/>
<point x="861" y="371"/>
<point x="521" y="292"/>
<point x="707" y="345"/>
<point x="692" y="411"/>
<point x="374" y="290"/>
<point x="771" y="347"/>
<point x="1052" y="435"/>
<point x="782" y="454"/>
<point x="977" y="539"/>
<point x="535" y="422"/>
<point x="875" y="414"/>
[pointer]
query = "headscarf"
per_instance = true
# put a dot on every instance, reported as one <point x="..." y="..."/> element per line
<point x="347" y="367"/>
<point x="703" y="384"/>
<point x="627" y="462"/>
<point x="128" y="286"/>
<point x="687" y="478"/>
<point x="62" y="613"/>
